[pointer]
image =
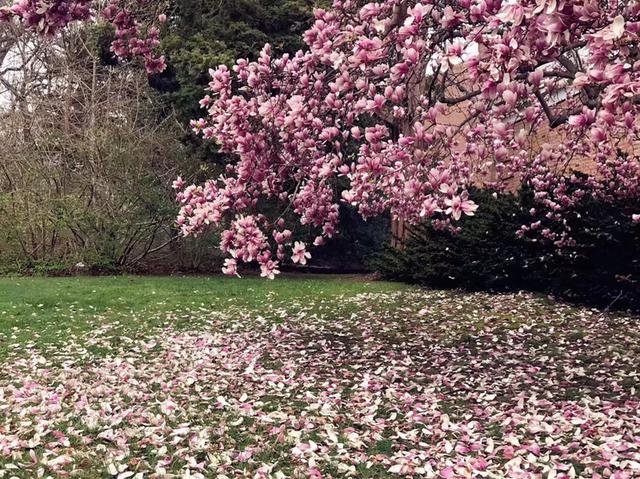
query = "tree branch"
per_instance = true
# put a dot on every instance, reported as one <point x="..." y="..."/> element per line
<point x="460" y="99"/>
<point x="554" y="120"/>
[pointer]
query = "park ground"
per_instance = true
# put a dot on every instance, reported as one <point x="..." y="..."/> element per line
<point x="310" y="377"/>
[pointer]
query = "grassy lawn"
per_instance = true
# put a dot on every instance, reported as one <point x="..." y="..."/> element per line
<point x="51" y="310"/>
<point x="321" y="377"/>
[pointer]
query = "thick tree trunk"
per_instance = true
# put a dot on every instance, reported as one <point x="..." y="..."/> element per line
<point x="399" y="233"/>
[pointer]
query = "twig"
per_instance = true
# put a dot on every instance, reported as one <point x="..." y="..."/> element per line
<point x="606" y="310"/>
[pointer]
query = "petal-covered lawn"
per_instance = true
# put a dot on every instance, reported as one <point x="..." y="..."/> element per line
<point x="380" y="382"/>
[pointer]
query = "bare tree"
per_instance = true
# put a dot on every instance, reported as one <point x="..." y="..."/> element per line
<point x="87" y="157"/>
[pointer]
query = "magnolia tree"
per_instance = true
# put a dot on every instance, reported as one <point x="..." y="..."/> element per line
<point x="135" y="23"/>
<point x="401" y="105"/>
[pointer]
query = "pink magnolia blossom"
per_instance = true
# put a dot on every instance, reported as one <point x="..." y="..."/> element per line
<point x="178" y="183"/>
<point x="300" y="254"/>
<point x="269" y="269"/>
<point x="458" y="205"/>
<point x="230" y="267"/>
<point x="135" y="36"/>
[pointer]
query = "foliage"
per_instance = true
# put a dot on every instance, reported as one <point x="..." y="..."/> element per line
<point x="203" y="34"/>
<point x="602" y="267"/>
<point x="352" y="248"/>
<point x="85" y="177"/>
<point x="410" y="104"/>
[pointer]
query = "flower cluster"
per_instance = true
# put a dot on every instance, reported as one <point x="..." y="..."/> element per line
<point x="47" y="17"/>
<point x="400" y="106"/>
<point x="130" y="41"/>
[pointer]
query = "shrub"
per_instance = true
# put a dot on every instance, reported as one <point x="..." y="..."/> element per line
<point x="602" y="268"/>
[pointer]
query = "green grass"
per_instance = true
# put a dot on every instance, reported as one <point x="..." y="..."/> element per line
<point x="47" y="311"/>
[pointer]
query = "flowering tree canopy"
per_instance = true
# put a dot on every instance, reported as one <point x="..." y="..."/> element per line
<point x="135" y="32"/>
<point x="402" y="105"/>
